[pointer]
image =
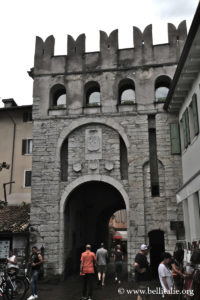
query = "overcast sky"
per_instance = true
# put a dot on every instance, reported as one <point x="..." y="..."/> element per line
<point x="22" y="20"/>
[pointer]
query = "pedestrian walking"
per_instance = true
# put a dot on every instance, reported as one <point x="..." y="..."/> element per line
<point x="36" y="262"/>
<point x="118" y="259"/>
<point x="142" y="271"/>
<point x="102" y="257"/>
<point x="165" y="274"/>
<point x="87" y="270"/>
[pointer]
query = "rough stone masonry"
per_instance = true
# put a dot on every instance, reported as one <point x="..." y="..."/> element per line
<point x="91" y="160"/>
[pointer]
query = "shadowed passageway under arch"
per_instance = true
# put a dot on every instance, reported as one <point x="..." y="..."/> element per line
<point x="87" y="213"/>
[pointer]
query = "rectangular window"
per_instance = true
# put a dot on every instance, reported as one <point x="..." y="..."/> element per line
<point x="154" y="176"/>
<point x="64" y="161"/>
<point x="175" y="138"/>
<point x="27" y="178"/>
<point x="186" y="128"/>
<point x="195" y="114"/>
<point x="27" y="145"/>
<point x="27" y="116"/>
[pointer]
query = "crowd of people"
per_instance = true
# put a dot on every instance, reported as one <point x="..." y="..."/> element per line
<point x="172" y="276"/>
<point x="171" y="273"/>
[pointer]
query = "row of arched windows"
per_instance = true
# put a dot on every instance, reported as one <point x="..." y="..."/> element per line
<point x="92" y="92"/>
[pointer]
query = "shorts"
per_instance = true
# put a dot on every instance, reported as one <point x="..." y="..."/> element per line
<point x="102" y="268"/>
<point x="142" y="286"/>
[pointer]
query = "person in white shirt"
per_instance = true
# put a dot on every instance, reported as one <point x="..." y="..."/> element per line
<point x="12" y="262"/>
<point x="165" y="274"/>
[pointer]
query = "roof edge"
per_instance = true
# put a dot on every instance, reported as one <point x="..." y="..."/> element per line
<point x="188" y="44"/>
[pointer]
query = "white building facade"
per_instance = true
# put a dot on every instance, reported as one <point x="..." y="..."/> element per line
<point x="184" y="100"/>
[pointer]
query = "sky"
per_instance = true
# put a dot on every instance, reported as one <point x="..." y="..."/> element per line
<point x="22" y="20"/>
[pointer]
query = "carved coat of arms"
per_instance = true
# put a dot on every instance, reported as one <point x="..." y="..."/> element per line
<point x="93" y="143"/>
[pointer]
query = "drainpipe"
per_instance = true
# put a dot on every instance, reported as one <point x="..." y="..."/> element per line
<point x="4" y="188"/>
<point x="13" y="149"/>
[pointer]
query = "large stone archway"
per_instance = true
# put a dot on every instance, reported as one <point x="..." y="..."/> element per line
<point x="69" y="190"/>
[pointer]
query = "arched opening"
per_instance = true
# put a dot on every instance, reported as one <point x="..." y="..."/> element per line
<point x="126" y="92"/>
<point x="92" y="94"/>
<point x="157" y="247"/>
<point x="58" y="98"/>
<point x="86" y="219"/>
<point x="162" y="86"/>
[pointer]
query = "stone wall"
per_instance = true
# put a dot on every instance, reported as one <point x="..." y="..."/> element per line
<point x="145" y="213"/>
<point x="94" y="139"/>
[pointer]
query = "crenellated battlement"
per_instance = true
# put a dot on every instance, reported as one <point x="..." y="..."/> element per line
<point x="107" y="70"/>
<point x="109" y="56"/>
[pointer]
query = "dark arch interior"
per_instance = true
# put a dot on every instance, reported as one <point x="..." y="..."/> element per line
<point x="90" y="88"/>
<point x="57" y="91"/>
<point x="126" y="85"/>
<point x="87" y="214"/>
<point x="163" y="81"/>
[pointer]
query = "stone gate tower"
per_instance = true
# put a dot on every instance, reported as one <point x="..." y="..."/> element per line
<point x="102" y="143"/>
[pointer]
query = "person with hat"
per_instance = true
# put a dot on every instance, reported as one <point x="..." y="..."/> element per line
<point x="142" y="270"/>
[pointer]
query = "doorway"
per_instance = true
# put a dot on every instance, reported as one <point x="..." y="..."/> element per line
<point x="86" y="219"/>
<point x="157" y="247"/>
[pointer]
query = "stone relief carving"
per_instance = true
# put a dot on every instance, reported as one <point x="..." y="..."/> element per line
<point x="77" y="167"/>
<point x="109" y="165"/>
<point x="94" y="165"/>
<point x="93" y="144"/>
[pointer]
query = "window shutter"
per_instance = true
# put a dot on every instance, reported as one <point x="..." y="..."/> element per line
<point x="24" y="146"/>
<point x="195" y="114"/>
<point x="25" y="116"/>
<point x="28" y="178"/>
<point x="175" y="138"/>
<point x="187" y="126"/>
<point x="184" y="131"/>
<point x="30" y="146"/>
<point x="30" y="116"/>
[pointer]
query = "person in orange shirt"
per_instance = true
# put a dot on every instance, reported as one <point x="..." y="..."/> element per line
<point x="88" y="262"/>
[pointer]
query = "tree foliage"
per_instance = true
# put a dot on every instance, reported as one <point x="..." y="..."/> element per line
<point x="4" y="165"/>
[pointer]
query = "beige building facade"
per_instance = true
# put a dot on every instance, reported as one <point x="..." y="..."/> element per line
<point x="16" y="150"/>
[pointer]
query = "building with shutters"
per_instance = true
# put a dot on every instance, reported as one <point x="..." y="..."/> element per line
<point x="184" y="101"/>
<point x="16" y="150"/>
<point x="15" y="183"/>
